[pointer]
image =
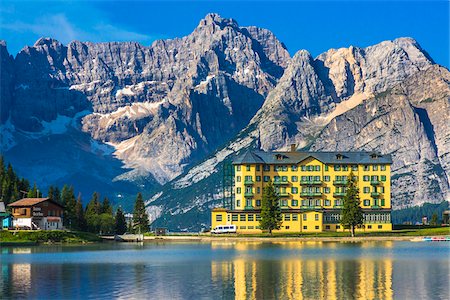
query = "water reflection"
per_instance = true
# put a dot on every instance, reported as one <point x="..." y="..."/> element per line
<point x="226" y="270"/>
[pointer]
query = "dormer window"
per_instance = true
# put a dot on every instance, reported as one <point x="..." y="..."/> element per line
<point x="374" y="156"/>
<point x="279" y="156"/>
<point x="339" y="156"/>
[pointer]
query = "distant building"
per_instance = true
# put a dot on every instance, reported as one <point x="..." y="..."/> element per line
<point x="311" y="187"/>
<point x="446" y="217"/>
<point x="37" y="213"/>
<point x="5" y="217"/>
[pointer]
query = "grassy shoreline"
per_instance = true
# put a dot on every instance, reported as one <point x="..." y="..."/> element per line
<point x="36" y="237"/>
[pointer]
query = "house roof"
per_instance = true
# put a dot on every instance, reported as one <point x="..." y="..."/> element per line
<point x="31" y="202"/>
<point x="295" y="157"/>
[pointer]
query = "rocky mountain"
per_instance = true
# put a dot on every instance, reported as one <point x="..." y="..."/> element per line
<point x="121" y="117"/>
<point x="345" y="99"/>
<point x="158" y="109"/>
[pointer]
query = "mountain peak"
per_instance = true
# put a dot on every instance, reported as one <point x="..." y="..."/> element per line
<point x="216" y="20"/>
<point x="46" y="41"/>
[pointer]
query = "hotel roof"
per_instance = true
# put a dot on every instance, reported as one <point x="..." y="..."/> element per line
<point x="31" y="202"/>
<point x="295" y="157"/>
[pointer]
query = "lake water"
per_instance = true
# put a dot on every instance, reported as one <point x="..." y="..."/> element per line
<point x="228" y="270"/>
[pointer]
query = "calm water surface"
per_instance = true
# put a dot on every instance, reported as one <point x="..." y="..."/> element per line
<point x="228" y="270"/>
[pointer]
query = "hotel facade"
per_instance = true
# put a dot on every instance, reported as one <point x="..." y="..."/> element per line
<point x="311" y="187"/>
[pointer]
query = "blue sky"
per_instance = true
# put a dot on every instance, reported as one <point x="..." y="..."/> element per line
<point x="312" y="25"/>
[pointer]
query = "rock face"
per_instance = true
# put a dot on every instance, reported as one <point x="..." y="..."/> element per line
<point x="161" y="107"/>
<point x="119" y="113"/>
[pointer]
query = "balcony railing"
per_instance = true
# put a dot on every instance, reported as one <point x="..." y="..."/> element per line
<point x="310" y="194"/>
<point x="375" y="207"/>
<point x="375" y="194"/>
<point x="248" y="207"/>
<point x="340" y="182"/>
<point x="338" y="206"/>
<point x="375" y="182"/>
<point x="283" y="194"/>
<point x="248" y="194"/>
<point x="248" y="181"/>
<point x="338" y="194"/>
<point x="310" y="182"/>
<point x="280" y="182"/>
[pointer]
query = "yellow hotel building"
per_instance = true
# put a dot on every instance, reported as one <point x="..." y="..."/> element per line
<point x="311" y="186"/>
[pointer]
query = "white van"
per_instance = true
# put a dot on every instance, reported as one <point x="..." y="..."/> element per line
<point x="224" y="229"/>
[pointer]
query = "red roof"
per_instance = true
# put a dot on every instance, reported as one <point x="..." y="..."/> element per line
<point x="31" y="202"/>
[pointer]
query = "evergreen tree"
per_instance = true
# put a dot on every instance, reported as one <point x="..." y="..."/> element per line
<point x="51" y="191"/>
<point x="140" y="217"/>
<point x="120" y="222"/>
<point x="352" y="214"/>
<point x="434" y="220"/>
<point x="92" y="213"/>
<point x="33" y="193"/>
<point x="106" y="206"/>
<point x="270" y="209"/>
<point x="79" y="215"/>
<point x="69" y="202"/>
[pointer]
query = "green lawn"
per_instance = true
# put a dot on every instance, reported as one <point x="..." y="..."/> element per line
<point x="50" y="236"/>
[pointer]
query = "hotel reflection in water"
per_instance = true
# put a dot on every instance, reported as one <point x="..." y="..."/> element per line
<point x="303" y="278"/>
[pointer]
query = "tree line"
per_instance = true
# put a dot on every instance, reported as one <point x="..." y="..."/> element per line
<point x="97" y="216"/>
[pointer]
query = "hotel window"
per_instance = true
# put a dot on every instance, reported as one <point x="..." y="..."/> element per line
<point x="242" y="227"/>
<point x="375" y="202"/>
<point x="248" y="190"/>
<point x="294" y="178"/>
<point x="375" y="167"/>
<point x="284" y="178"/>
<point x="305" y="227"/>
<point x="317" y="227"/>
<point x="284" y="203"/>
<point x="369" y="226"/>
<point x="327" y="226"/>
<point x="366" y="178"/>
<point x="316" y="178"/>
<point x="258" y="167"/>
<point x="316" y="217"/>
<point x="326" y="167"/>
<point x="219" y="218"/>
<point x="317" y="202"/>
<point x="380" y="226"/>
<point x="258" y="217"/>
<point x="383" y="167"/>
<point x="326" y="190"/>
<point x="294" y="217"/>
<point x="366" y="202"/>
<point x="276" y="178"/>
<point x="294" y="190"/>
<point x="338" y="226"/>
<point x="238" y="168"/>
<point x="287" y="217"/>
<point x="383" y="178"/>
<point x="287" y="227"/>
<point x="258" y="178"/>
<point x="284" y="168"/>
<point x="242" y="217"/>
<point x="303" y="168"/>
<point x="337" y="167"/>
<point x="238" y="203"/>
<point x="266" y="178"/>
<point x="366" y="190"/>
<point x="250" y="227"/>
<point x="266" y="168"/>
<point x="248" y="202"/>
<point x="258" y="190"/>
<point x="305" y="217"/>
<point x="258" y="202"/>
<point x="250" y="218"/>
<point x="294" y="202"/>
<point x="248" y="167"/>
<point x="238" y="190"/>
<point x="238" y="178"/>
<point x="326" y="178"/>
<point x="327" y="202"/>
<point x="354" y="167"/>
<point x="337" y="202"/>
<point x="294" y="168"/>
<point x="344" y="168"/>
<point x="366" y="168"/>
<point x="317" y="168"/>
<point x="381" y="189"/>
<point x="234" y="217"/>
<point x="382" y="202"/>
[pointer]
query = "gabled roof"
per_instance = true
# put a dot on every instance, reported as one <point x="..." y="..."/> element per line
<point x="31" y="202"/>
<point x="295" y="157"/>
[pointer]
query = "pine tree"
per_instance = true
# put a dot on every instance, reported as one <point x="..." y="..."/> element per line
<point x="106" y="206"/>
<point x="92" y="214"/>
<point x="140" y="217"/>
<point x="79" y="215"/>
<point x="270" y="209"/>
<point x="69" y="202"/>
<point x="33" y="193"/>
<point x="352" y="214"/>
<point x="120" y="222"/>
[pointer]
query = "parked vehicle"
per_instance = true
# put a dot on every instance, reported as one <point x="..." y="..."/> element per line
<point x="224" y="229"/>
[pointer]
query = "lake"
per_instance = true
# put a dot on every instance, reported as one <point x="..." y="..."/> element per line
<point x="228" y="270"/>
